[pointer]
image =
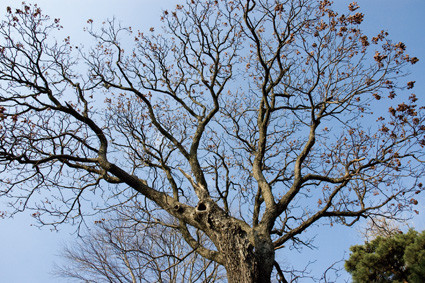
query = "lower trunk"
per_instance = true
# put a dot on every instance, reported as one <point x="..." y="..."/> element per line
<point x="247" y="253"/>
<point x="249" y="271"/>
<point x="248" y="258"/>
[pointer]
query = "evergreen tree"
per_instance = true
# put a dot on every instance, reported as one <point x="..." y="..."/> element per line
<point x="399" y="258"/>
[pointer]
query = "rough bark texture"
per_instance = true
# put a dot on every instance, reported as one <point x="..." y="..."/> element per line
<point x="247" y="253"/>
<point x="244" y="262"/>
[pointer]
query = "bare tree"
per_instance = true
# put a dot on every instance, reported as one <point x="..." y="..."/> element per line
<point x="382" y="227"/>
<point x="247" y="121"/>
<point x="128" y="250"/>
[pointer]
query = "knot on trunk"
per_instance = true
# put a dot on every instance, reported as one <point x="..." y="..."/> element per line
<point x="201" y="212"/>
<point x="178" y="208"/>
<point x="201" y="207"/>
<point x="210" y="215"/>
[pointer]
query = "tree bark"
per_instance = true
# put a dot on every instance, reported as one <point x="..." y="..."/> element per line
<point x="247" y="253"/>
<point x="246" y="263"/>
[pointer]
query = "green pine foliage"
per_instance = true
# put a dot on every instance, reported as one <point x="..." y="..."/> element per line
<point x="414" y="258"/>
<point x="399" y="258"/>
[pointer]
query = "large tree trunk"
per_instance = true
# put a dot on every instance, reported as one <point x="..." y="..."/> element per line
<point x="248" y="253"/>
<point x="245" y="262"/>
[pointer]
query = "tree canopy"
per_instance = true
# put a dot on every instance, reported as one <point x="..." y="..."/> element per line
<point x="247" y="121"/>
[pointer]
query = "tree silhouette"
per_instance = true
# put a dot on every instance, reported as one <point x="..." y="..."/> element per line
<point x="247" y="121"/>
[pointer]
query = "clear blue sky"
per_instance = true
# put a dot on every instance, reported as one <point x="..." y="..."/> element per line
<point x="27" y="253"/>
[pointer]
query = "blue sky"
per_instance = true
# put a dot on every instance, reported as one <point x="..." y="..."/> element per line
<point x="27" y="253"/>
